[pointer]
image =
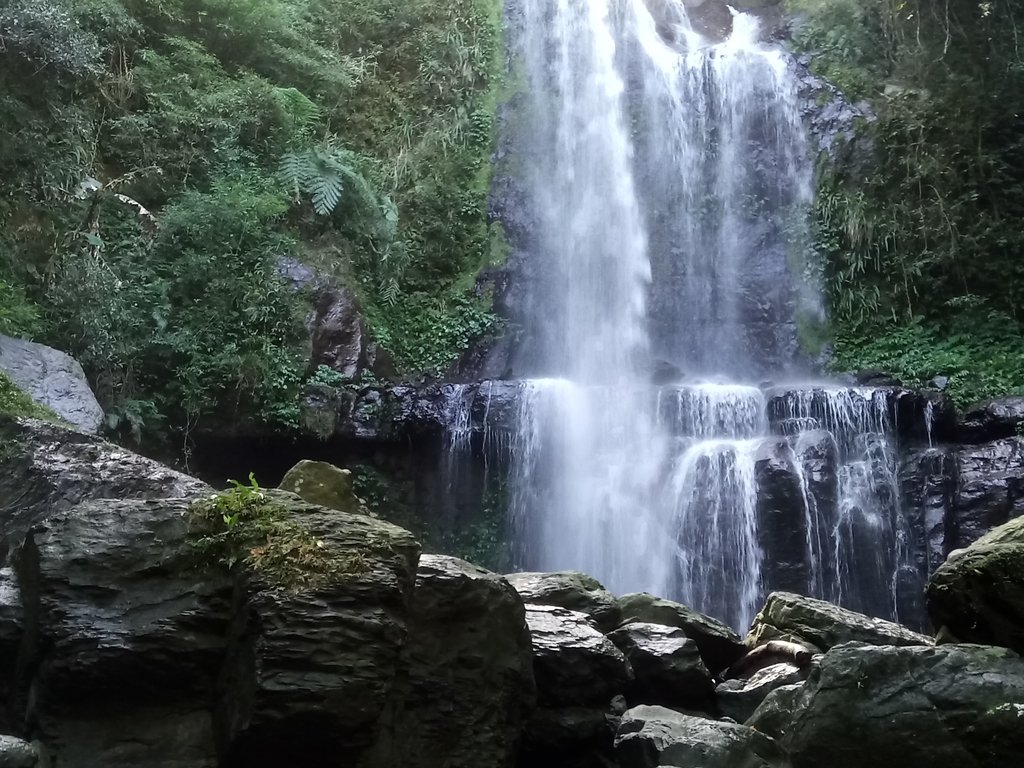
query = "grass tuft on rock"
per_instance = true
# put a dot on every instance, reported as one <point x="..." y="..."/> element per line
<point x="17" y="404"/>
<point x="249" y="527"/>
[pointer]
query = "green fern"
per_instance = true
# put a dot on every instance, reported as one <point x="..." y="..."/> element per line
<point x="317" y="173"/>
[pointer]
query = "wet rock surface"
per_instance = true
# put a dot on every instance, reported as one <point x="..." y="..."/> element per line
<point x="822" y="625"/>
<point x="718" y="644"/>
<point x="569" y="589"/>
<point x="654" y="736"/>
<point x="45" y="468"/>
<point x="573" y="663"/>
<point x="989" y="489"/>
<point x="917" y="707"/>
<point x="666" y="664"/>
<point x="465" y="674"/>
<point x="738" y="699"/>
<point x="992" y="420"/>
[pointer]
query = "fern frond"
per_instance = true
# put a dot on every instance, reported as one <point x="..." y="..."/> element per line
<point x="325" y="191"/>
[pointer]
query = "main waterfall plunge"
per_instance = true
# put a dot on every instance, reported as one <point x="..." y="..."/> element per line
<point x="667" y="182"/>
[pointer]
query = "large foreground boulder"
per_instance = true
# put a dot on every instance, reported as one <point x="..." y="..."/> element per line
<point x="719" y="645"/>
<point x="125" y="635"/>
<point x="317" y="640"/>
<point x="655" y="736"/>
<point x="569" y="589"/>
<point x="466" y="680"/>
<point x="954" y="706"/>
<point x="53" y="379"/>
<point x="977" y="595"/>
<point x="823" y="625"/>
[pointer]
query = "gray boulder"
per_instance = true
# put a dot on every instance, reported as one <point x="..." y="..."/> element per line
<point x="977" y="595"/>
<point x="466" y="681"/>
<point x="823" y="625"/>
<point x="53" y="379"/>
<point x="569" y="589"/>
<point x="573" y="663"/>
<point x="738" y="699"/>
<point x="655" y="736"/>
<point x="954" y="706"/>
<point x="667" y="666"/>
<point x="719" y="645"/>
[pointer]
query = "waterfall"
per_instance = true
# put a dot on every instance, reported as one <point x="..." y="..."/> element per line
<point x="667" y="180"/>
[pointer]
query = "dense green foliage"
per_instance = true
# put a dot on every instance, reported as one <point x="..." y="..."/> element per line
<point x="923" y="243"/>
<point x="158" y="158"/>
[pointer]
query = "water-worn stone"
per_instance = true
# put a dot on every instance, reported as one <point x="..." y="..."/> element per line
<point x="573" y="663"/>
<point x="654" y="736"/>
<point x="977" y="595"/>
<point x="719" y="645"/>
<point x="125" y="634"/>
<point x="45" y="468"/>
<point x="325" y="484"/>
<point x="954" y="706"/>
<point x="738" y="699"/>
<point x="53" y="379"/>
<point x="666" y="664"/>
<point x="992" y="420"/>
<point x="569" y="589"/>
<point x="466" y="678"/>
<point x="823" y="625"/>
<point x="311" y="670"/>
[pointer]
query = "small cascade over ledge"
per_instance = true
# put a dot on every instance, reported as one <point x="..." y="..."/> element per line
<point x="791" y="488"/>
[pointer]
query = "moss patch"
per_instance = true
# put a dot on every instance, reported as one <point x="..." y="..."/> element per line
<point x="249" y="527"/>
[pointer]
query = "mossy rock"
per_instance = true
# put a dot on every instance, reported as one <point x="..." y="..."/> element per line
<point x="325" y="484"/>
<point x="977" y="595"/>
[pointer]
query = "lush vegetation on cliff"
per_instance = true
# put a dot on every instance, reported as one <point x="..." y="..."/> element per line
<point x="159" y="158"/>
<point x="923" y="241"/>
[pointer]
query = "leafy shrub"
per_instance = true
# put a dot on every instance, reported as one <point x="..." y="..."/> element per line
<point x="981" y="353"/>
<point x="18" y="316"/>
